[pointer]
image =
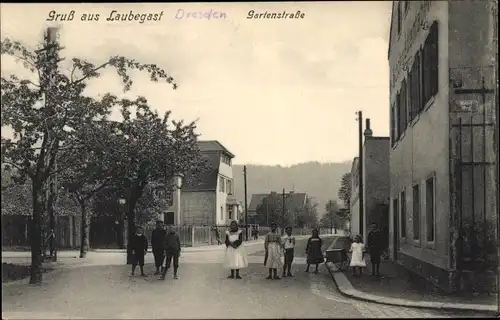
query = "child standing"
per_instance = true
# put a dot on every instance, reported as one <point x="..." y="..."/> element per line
<point x="273" y="245"/>
<point x="235" y="258"/>
<point x="358" y="252"/>
<point x="313" y="250"/>
<point x="289" y="248"/>
<point x="172" y="251"/>
<point x="139" y="245"/>
<point x="157" y="244"/>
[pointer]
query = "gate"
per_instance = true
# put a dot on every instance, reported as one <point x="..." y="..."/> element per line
<point x="472" y="171"/>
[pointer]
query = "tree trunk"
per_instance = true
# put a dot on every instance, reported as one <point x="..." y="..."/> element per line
<point x="85" y="230"/>
<point x="120" y="231"/>
<point x="52" y="223"/>
<point x="130" y="231"/>
<point x="36" y="233"/>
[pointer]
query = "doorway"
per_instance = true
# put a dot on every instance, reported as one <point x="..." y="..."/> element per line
<point x="395" y="228"/>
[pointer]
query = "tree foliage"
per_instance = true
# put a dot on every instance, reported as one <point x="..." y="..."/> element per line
<point x="344" y="192"/>
<point x="45" y="114"/>
<point x="308" y="217"/>
<point x="155" y="149"/>
<point x="269" y="210"/>
<point x="332" y="218"/>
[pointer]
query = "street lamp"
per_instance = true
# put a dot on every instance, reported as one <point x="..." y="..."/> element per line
<point x="121" y="204"/>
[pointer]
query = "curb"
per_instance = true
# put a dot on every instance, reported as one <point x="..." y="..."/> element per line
<point x="346" y="289"/>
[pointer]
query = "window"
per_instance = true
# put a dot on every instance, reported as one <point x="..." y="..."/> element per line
<point x="429" y="209"/>
<point x="430" y="63"/>
<point x="395" y="212"/>
<point x="393" y="124"/>
<point x="402" y="110"/>
<point x="221" y="184"/>
<point x="416" y="212"/>
<point x="222" y="213"/>
<point x="399" y="18"/>
<point x="415" y="86"/>
<point x="169" y="198"/>
<point x="230" y="212"/>
<point x="403" y="214"/>
<point x="226" y="159"/>
<point x="229" y="187"/>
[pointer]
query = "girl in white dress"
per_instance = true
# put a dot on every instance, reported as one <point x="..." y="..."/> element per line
<point x="358" y="252"/>
<point x="235" y="258"/>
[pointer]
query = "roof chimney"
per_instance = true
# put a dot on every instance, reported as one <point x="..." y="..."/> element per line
<point x="368" y="130"/>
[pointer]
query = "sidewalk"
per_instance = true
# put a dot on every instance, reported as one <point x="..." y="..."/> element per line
<point x="395" y="283"/>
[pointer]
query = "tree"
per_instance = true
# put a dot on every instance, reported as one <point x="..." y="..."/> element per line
<point x="344" y="192"/>
<point x="331" y="218"/>
<point x="96" y="168"/>
<point x="43" y="114"/>
<point x="157" y="149"/>
<point x="269" y="210"/>
<point x="309" y="215"/>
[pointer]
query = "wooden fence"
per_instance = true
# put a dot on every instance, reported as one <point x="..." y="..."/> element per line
<point x="103" y="233"/>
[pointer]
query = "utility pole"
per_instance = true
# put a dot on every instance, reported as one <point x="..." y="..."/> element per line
<point x="52" y="47"/>
<point x="246" y="201"/>
<point x="283" y="212"/>
<point x="48" y="58"/>
<point x="360" y="174"/>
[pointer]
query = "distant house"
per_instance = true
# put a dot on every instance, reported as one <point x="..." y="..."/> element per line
<point x="376" y="185"/>
<point x="209" y="200"/>
<point x="294" y="202"/>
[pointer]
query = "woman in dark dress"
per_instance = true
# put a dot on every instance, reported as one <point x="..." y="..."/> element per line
<point x="375" y="249"/>
<point x="313" y="250"/>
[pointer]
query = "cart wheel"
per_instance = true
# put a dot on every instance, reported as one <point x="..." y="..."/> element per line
<point x="338" y="266"/>
<point x="345" y="264"/>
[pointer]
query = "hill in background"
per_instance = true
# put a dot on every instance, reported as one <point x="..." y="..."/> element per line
<point x="320" y="181"/>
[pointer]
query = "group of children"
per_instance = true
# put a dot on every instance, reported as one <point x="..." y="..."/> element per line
<point x="274" y="245"/>
<point x="359" y="250"/>
<point x="166" y="247"/>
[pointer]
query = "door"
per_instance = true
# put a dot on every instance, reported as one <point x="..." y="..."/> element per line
<point x="170" y="218"/>
<point x="395" y="229"/>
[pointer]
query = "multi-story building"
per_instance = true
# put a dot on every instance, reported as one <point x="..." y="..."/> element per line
<point x="375" y="185"/>
<point x="442" y="57"/>
<point x="209" y="200"/>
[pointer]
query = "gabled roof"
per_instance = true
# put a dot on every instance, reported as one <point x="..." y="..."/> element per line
<point x="390" y="30"/>
<point x="206" y="181"/>
<point x="213" y="145"/>
<point x="256" y="200"/>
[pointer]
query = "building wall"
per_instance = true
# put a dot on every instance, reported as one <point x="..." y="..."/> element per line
<point x="375" y="183"/>
<point x="226" y="172"/>
<point x="472" y="47"/>
<point x="199" y="207"/>
<point x="354" y="203"/>
<point x="422" y="151"/>
<point x="176" y="201"/>
<point x="376" y="180"/>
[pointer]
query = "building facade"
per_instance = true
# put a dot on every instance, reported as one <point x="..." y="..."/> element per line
<point x="375" y="185"/>
<point x="442" y="180"/>
<point x="209" y="200"/>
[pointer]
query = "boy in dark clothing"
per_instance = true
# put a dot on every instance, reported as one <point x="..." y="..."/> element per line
<point x="139" y="245"/>
<point x="172" y="250"/>
<point x="158" y="245"/>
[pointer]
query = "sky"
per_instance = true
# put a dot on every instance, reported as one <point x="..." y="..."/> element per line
<point x="272" y="91"/>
